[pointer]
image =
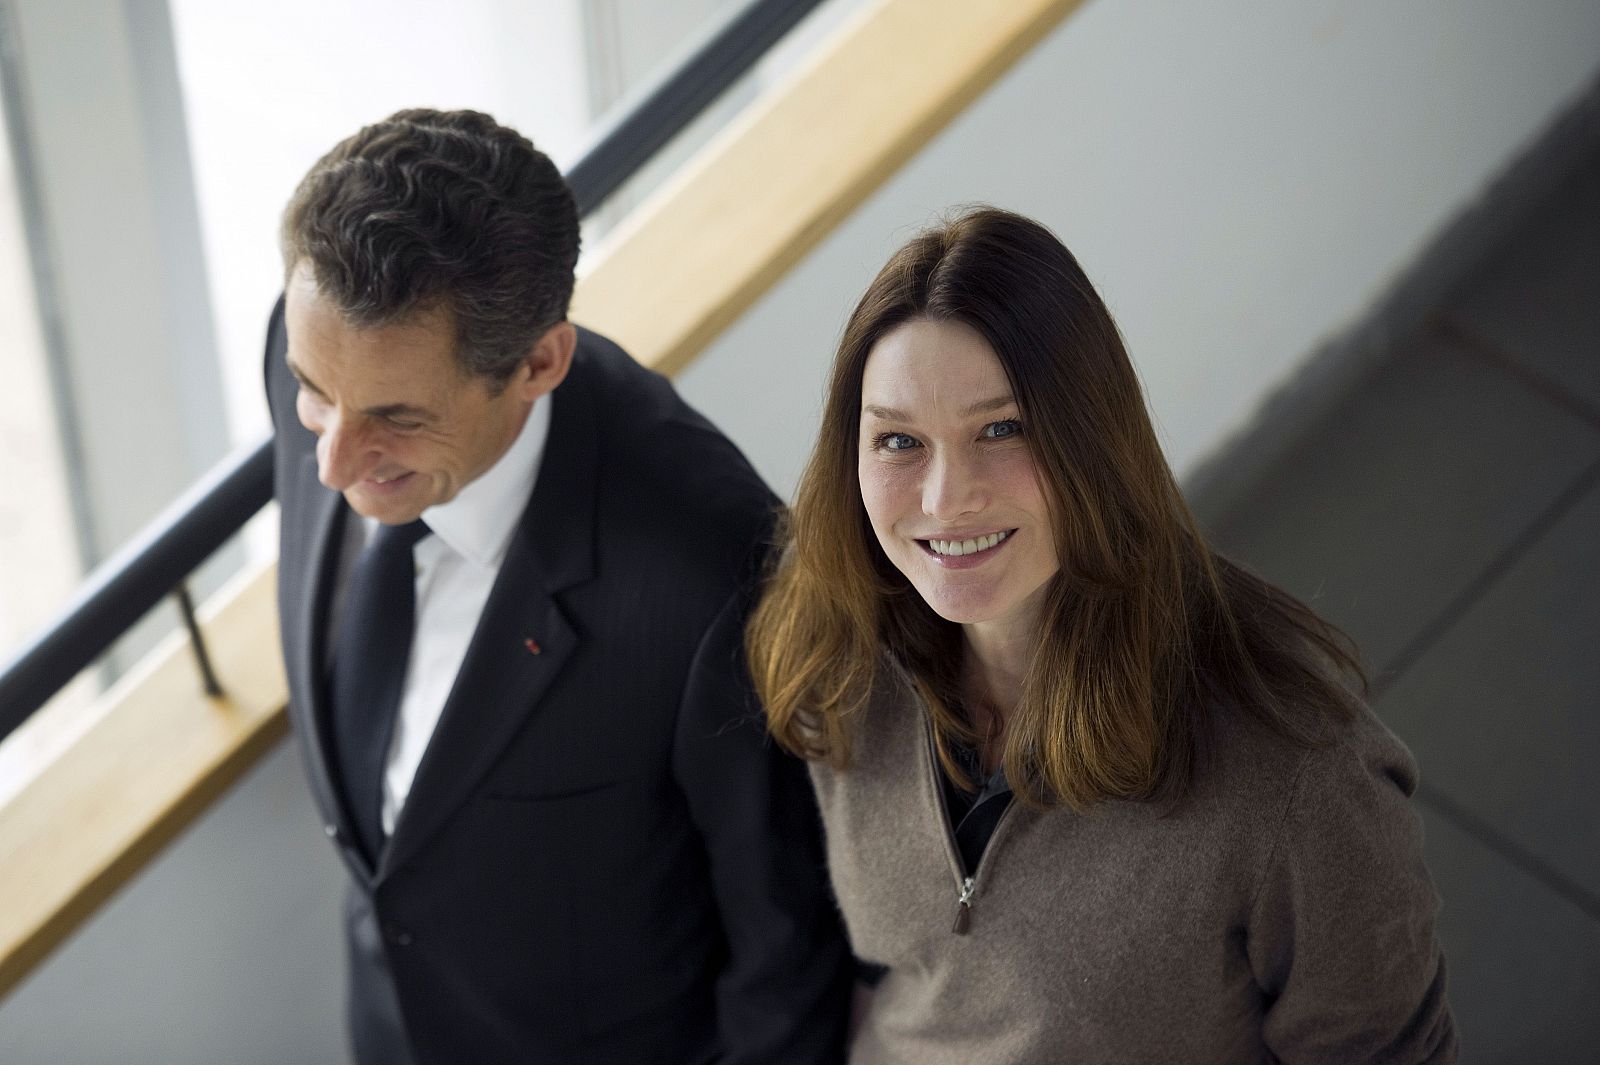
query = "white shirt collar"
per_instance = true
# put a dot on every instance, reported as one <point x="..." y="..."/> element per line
<point x="477" y="524"/>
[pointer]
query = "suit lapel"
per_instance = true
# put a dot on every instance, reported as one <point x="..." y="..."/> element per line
<point x="319" y="555"/>
<point x="308" y="560"/>
<point x="523" y="637"/>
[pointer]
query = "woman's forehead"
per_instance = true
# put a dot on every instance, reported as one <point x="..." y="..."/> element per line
<point x="927" y="368"/>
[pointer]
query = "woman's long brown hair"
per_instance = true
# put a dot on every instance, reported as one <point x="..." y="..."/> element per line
<point x="1146" y="632"/>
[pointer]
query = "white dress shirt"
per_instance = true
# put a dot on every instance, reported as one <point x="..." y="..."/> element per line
<point x="456" y="568"/>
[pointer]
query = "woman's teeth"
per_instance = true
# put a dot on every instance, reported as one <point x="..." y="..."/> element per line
<point x="966" y="547"/>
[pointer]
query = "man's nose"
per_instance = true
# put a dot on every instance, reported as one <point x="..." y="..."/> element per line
<point x="344" y="452"/>
<point x="952" y="488"/>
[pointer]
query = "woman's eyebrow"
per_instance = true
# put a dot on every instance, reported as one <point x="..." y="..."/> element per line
<point x="985" y="406"/>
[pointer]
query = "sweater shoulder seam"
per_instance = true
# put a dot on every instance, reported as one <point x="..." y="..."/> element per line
<point x="1292" y="795"/>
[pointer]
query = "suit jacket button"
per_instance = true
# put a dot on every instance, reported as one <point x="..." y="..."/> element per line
<point x="331" y="831"/>
<point x="396" y="935"/>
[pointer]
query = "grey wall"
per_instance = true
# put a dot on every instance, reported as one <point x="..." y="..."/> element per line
<point x="1445" y="511"/>
<point x="1242" y="179"/>
<point x="226" y="949"/>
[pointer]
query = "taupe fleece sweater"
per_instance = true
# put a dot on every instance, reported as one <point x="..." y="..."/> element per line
<point x="1282" y="914"/>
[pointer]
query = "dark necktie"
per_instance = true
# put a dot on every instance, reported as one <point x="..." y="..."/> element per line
<point x="369" y="670"/>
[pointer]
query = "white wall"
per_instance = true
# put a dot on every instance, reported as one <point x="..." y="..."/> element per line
<point x="113" y="247"/>
<point x="39" y="562"/>
<point x="1241" y="178"/>
<point x="104" y="136"/>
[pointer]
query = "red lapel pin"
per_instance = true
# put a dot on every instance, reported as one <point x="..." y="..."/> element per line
<point x="532" y="645"/>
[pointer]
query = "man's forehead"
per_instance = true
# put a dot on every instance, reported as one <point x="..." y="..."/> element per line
<point x="308" y="307"/>
<point x="425" y="310"/>
<point x="416" y="356"/>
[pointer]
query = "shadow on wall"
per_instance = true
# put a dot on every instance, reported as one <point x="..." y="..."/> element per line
<point x="1443" y="507"/>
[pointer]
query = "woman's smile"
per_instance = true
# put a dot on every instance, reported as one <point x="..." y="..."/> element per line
<point x="965" y="552"/>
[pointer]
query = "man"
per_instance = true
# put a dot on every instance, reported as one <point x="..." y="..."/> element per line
<point x="525" y="717"/>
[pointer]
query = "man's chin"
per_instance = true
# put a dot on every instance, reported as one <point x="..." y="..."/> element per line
<point x="395" y="509"/>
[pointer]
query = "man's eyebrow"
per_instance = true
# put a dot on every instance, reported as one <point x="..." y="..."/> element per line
<point x="388" y="410"/>
<point x="299" y="375"/>
<point x="399" y="410"/>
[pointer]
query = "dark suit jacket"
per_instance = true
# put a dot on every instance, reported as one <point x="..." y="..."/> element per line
<point x="602" y="857"/>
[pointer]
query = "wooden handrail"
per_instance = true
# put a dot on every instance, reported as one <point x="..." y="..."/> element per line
<point x="159" y="753"/>
<point x="676" y="273"/>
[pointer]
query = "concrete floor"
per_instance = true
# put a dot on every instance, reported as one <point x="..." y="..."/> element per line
<point x="1446" y="514"/>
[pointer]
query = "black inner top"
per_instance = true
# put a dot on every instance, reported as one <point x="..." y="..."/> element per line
<point x="974" y="814"/>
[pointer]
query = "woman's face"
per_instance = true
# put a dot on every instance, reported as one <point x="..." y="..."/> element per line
<point x="947" y="476"/>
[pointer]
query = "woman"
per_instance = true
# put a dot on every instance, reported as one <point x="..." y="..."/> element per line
<point x="1092" y="792"/>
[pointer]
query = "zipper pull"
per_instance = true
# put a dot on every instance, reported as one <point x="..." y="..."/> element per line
<point x="963" y="908"/>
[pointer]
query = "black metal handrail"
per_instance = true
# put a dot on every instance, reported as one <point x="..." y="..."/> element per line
<point x="126" y="586"/>
<point x="158" y="561"/>
<point x="620" y="149"/>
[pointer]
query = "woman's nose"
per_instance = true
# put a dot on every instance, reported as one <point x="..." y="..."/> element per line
<point x="952" y="489"/>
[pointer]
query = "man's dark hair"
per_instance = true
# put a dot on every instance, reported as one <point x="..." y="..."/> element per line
<point x="431" y="209"/>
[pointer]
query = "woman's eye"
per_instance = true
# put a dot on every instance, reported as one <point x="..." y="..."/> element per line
<point x="896" y="442"/>
<point x="1001" y="430"/>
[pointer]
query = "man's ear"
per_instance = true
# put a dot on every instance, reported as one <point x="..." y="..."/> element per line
<point x="547" y="363"/>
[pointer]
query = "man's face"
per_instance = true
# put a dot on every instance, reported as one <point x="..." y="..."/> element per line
<point x="400" y="426"/>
